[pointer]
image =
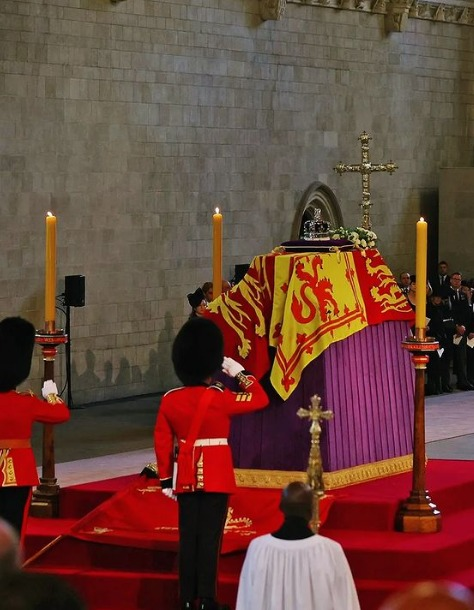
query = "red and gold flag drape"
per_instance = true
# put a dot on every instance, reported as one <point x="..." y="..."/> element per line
<point x="299" y="304"/>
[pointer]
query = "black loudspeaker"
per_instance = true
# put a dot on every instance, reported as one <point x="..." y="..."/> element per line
<point x="75" y="290"/>
<point x="239" y="272"/>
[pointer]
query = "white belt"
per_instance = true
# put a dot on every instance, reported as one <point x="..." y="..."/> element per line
<point x="209" y="442"/>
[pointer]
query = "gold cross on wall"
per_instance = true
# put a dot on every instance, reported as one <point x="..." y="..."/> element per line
<point x="365" y="168"/>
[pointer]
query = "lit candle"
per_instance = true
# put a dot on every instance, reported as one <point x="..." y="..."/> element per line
<point x="50" y="274"/>
<point x="216" y="254"/>
<point x="421" y="264"/>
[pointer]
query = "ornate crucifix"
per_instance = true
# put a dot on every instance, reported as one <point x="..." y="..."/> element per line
<point x="365" y="168"/>
<point x="315" y="464"/>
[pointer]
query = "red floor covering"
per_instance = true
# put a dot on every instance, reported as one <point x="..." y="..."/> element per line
<point x="117" y="538"/>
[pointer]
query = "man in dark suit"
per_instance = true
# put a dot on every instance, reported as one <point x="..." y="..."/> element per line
<point x="441" y="281"/>
<point x="461" y="312"/>
<point x="440" y="327"/>
<point x="404" y="281"/>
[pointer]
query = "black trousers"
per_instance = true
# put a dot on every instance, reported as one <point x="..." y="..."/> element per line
<point x="438" y="370"/>
<point x="460" y="361"/>
<point x="202" y="517"/>
<point x="14" y="503"/>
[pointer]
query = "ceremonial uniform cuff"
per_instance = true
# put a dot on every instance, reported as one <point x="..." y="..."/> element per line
<point x="166" y="483"/>
<point x="53" y="399"/>
<point x="244" y="380"/>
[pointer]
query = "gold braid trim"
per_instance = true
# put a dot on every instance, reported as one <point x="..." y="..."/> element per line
<point x="271" y="479"/>
<point x="243" y="380"/>
<point x="53" y="399"/>
<point x="332" y="480"/>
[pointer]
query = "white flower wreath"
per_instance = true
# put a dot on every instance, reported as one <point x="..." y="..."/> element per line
<point x="361" y="238"/>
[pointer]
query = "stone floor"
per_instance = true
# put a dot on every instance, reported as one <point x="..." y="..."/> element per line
<point x="116" y="438"/>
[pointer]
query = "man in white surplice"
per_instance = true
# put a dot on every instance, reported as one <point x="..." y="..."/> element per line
<point x="294" y="568"/>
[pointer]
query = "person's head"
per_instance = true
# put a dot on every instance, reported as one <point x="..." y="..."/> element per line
<point x="455" y="280"/>
<point x="443" y="268"/>
<point x="404" y="279"/>
<point x="412" y="285"/>
<point x="297" y="501"/>
<point x="17" y="339"/>
<point x="436" y="297"/>
<point x="10" y="553"/>
<point x="39" y="591"/>
<point x="431" y="595"/>
<point x="207" y="290"/>
<point x="198" y="351"/>
<point x="197" y="301"/>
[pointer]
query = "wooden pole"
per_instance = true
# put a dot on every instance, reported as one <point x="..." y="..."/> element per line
<point x="418" y="514"/>
<point x="45" y="500"/>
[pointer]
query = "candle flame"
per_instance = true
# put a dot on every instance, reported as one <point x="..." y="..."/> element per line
<point x="422" y="219"/>
<point x="217" y="210"/>
<point x="49" y="214"/>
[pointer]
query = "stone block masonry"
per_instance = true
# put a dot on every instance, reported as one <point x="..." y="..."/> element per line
<point x="133" y="121"/>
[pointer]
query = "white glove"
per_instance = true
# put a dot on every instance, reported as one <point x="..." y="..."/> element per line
<point x="49" y="387"/>
<point x="231" y="367"/>
<point x="168" y="492"/>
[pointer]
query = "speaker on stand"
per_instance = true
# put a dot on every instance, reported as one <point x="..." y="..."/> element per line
<point x="74" y="296"/>
<point x="239" y="272"/>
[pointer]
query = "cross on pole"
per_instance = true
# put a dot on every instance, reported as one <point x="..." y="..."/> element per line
<point x="315" y="465"/>
<point x="365" y="168"/>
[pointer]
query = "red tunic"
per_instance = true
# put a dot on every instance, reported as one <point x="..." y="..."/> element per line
<point x="17" y="414"/>
<point x="174" y="420"/>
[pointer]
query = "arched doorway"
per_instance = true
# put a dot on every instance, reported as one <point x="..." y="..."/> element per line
<point x="317" y="195"/>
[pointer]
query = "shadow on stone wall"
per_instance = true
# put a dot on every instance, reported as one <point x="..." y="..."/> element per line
<point x="129" y="379"/>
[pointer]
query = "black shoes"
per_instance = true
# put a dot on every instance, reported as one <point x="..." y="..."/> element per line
<point x="211" y="604"/>
<point x="206" y="603"/>
<point x="465" y="387"/>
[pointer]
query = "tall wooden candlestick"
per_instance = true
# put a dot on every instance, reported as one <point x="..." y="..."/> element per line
<point x="45" y="500"/>
<point x="418" y="514"/>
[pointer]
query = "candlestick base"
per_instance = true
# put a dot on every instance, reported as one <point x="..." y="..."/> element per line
<point x="418" y="515"/>
<point x="45" y="499"/>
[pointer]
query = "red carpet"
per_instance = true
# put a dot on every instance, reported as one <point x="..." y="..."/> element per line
<point x="122" y="553"/>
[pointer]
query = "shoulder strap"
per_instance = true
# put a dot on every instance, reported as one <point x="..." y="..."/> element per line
<point x="203" y="404"/>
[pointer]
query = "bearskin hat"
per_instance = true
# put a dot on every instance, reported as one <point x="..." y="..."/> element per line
<point x="198" y="351"/>
<point x="17" y="339"/>
<point x="196" y="298"/>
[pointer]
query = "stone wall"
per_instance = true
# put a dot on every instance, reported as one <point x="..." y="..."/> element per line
<point x="456" y="219"/>
<point x="132" y="121"/>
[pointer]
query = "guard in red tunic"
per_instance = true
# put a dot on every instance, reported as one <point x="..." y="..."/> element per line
<point x="18" y="411"/>
<point x="195" y="419"/>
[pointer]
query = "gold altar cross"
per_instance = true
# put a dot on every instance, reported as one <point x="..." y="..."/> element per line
<point x="315" y="465"/>
<point x="365" y="168"/>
